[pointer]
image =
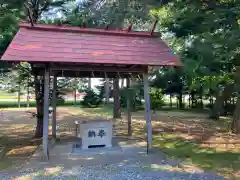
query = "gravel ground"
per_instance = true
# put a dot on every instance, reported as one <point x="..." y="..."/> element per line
<point x="114" y="172"/>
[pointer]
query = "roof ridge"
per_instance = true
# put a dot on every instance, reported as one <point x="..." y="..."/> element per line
<point x="66" y="28"/>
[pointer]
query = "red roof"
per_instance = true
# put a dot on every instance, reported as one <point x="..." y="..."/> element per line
<point x="52" y="43"/>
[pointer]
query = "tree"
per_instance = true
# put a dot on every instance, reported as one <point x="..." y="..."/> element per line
<point x="18" y="79"/>
<point x="13" y="11"/>
<point x="209" y="45"/>
<point x="236" y="115"/>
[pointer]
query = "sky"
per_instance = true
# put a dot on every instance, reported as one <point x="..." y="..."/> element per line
<point x="95" y="81"/>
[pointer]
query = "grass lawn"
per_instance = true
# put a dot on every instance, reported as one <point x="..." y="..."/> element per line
<point x="12" y="103"/>
<point x="199" y="142"/>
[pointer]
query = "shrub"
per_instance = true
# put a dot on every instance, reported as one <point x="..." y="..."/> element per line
<point x="91" y="99"/>
<point x="134" y="98"/>
<point x="156" y="98"/>
<point x="60" y="101"/>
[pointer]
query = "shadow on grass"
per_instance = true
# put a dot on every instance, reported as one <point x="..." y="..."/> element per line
<point x="225" y="163"/>
<point x="17" y="149"/>
<point x="192" y="153"/>
<point x="102" y="110"/>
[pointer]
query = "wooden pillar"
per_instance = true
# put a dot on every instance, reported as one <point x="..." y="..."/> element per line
<point x="147" y="110"/>
<point x="54" y="106"/>
<point x="129" y="108"/>
<point x="46" y="115"/>
<point x="116" y="94"/>
<point x="107" y="90"/>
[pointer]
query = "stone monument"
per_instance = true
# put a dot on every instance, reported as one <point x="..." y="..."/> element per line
<point x="96" y="133"/>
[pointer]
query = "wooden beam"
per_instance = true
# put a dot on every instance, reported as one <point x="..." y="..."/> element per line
<point x="147" y="111"/>
<point x="87" y="74"/>
<point x="97" y="68"/>
<point x="54" y="104"/>
<point x="154" y="26"/>
<point x="129" y="108"/>
<point x="46" y="115"/>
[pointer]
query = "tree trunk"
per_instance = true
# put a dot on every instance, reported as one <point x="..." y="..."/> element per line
<point x="28" y="93"/>
<point x="193" y="99"/>
<point x="180" y="100"/>
<point x="201" y="97"/>
<point x="75" y="97"/>
<point x="211" y="97"/>
<point x="171" y="100"/>
<point x="177" y="102"/>
<point x="211" y="94"/>
<point x="19" y="96"/>
<point x="122" y="83"/>
<point x="134" y="96"/>
<point x="236" y="118"/>
<point x="189" y="100"/>
<point x="39" y="105"/>
<point x="180" y="97"/>
<point x="116" y="94"/>
<point x="89" y="83"/>
<point x="218" y="105"/>
<point x="129" y="115"/>
<point x="211" y="101"/>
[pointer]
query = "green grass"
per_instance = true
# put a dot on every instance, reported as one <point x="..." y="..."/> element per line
<point x="225" y="163"/>
<point x="14" y="104"/>
<point x="191" y="153"/>
<point x="103" y="110"/>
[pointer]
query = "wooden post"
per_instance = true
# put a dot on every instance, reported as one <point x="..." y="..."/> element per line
<point x="107" y="90"/>
<point x="116" y="94"/>
<point x="147" y="110"/>
<point x="46" y="115"/>
<point x="129" y="115"/>
<point x="54" y="104"/>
